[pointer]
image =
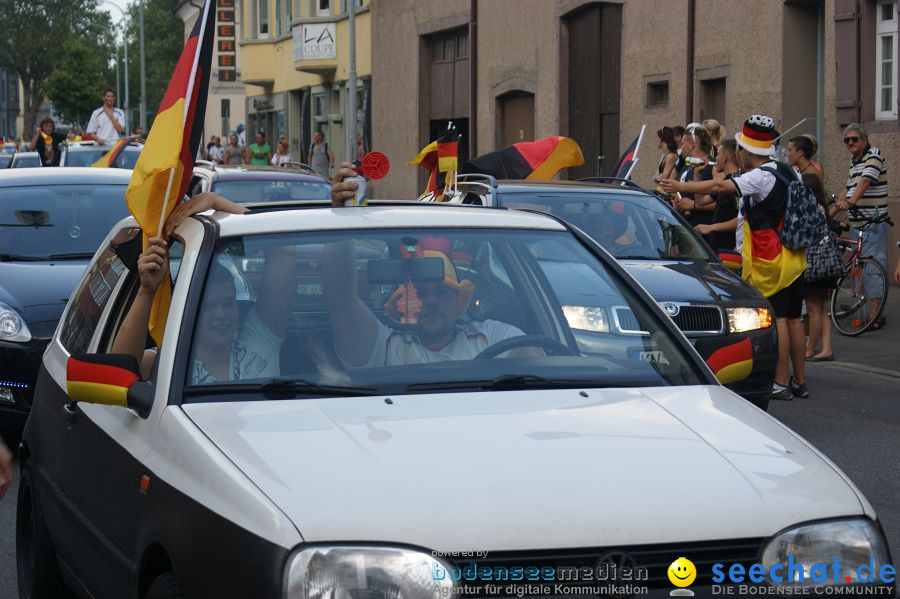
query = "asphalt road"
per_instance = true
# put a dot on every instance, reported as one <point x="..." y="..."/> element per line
<point x="853" y="417"/>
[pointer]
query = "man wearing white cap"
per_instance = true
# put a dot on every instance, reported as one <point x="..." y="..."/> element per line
<point x="774" y="270"/>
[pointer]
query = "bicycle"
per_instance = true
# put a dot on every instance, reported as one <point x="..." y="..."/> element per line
<point x="850" y="300"/>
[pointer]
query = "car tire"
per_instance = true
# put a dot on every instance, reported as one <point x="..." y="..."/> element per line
<point x="164" y="586"/>
<point x="36" y="563"/>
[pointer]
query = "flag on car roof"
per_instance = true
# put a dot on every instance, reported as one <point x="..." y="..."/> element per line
<point x="540" y="159"/>
<point x="629" y="158"/>
<point x="439" y="157"/>
<point x="109" y="159"/>
<point x="163" y="169"/>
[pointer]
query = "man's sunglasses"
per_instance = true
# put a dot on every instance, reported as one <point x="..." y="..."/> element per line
<point x="850" y="140"/>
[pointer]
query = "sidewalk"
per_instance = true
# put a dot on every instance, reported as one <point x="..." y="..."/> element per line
<point x="874" y="349"/>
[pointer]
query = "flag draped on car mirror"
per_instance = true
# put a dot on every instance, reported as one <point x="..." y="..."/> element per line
<point x="163" y="170"/>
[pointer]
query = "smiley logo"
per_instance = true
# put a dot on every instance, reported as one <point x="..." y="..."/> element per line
<point x="682" y="572"/>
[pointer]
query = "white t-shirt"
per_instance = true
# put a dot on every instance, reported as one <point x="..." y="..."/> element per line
<point x="216" y="154"/>
<point x="255" y="353"/>
<point x="394" y="348"/>
<point x="102" y="127"/>
<point x="279" y="159"/>
<point x="753" y="187"/>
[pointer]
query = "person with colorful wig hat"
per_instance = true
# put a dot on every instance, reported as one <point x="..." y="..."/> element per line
<point x="431" y="311"/>
<point x="774" y="270"/>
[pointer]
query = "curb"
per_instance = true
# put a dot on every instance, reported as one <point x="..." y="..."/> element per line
<point x="894" y="374"/>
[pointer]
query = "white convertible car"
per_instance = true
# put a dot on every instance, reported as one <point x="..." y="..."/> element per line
<point x="390" y="402"/>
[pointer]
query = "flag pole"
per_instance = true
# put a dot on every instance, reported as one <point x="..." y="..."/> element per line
<point x="162" y="215"/>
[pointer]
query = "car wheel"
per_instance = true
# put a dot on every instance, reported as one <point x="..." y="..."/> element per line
<point x="36" y="564"/>
<point x="164" y="586"/>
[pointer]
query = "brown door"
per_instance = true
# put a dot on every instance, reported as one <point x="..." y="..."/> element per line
<point x="712" y="100"/>
<point x="516" y="118"/>
<point x="595" y="59"/>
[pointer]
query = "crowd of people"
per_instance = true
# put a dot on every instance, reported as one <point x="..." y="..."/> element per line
<point x="235" y="154"/>
<point x="734" y="193"/>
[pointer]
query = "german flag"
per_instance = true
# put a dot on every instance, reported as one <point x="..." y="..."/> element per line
<point x="109" y="159"/>
<point x="163" y="170"/>
<point x="626" y="162"/>
<point x="733" y="362"/>
<point x="448" y="151"/>
<point x="767" y="264"/>
<point x="732" y="260"/>
<point x="101" y="378"/>
<point x="540" y="159"/>
<point x="427" y="158"/>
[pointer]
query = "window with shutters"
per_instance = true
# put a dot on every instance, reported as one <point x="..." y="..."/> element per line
<point x="886" y="61"/>
<point x="866" y="60"/>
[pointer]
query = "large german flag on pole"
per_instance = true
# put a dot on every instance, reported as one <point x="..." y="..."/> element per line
<point x="163" y="170"/>
<point x="540" y="159"/>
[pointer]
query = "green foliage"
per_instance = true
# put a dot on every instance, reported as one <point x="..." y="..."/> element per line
<point x="163" y="42"/>
<point x="35" y="33"/>
<point x="75" y="85"/>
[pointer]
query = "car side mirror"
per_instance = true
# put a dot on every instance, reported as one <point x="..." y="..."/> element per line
<point x="109" y="379"/>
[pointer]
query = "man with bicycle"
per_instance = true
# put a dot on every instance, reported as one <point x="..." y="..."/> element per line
<point x="867" y="189"/>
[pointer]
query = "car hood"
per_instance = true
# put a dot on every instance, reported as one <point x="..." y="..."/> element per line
<point x="529" y="469"/>
<point x="39" y="290"/>
<point x="692" y="281"/>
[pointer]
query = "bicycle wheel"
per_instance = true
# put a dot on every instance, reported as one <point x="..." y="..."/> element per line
<point x="851" y="312"/>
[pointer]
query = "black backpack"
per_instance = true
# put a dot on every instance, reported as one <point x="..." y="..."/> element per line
<point x="804" y="223"/>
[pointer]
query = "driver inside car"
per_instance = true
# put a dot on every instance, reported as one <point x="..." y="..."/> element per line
<point x="362" y="340"/>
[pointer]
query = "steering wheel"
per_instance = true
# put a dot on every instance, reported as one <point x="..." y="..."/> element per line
<point x="547" y="343"/>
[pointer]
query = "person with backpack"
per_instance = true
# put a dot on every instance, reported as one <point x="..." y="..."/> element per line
<point x="775" y="206"/>
<point x="319" y="156"/>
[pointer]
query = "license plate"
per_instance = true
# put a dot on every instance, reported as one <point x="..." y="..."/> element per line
<point x="654" y="356"/>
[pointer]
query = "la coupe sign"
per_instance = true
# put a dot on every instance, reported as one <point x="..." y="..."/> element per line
<point x="315" y="42"/>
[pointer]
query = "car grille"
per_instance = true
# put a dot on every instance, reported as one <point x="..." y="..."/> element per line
<point x="695" y="319"/>
<point x="655" y="558"/>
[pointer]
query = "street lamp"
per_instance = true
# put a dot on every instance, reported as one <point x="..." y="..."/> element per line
<point x="143" y="78"/>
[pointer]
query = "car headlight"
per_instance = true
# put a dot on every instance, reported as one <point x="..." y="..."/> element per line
<point x="587" y="318"/>
<point x="12" y="326"/>
<point x="748" y="319"/>
<point x="364" y="573"/>
<point x="857" y="544"/>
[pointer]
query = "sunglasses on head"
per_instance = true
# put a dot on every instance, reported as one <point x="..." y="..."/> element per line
<point x="851" y="140"/>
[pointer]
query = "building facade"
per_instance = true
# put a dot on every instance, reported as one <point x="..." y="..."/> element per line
<point x="511" y="70"/>
<point x="225" y="112"/>
<point x="296" y="65"/>
<point x="9" y="105"/>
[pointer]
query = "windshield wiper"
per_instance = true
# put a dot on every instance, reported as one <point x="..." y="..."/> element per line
<point x="511" y="381"/>
<point x="283" y="387"/>
<point x="21" y="258"/>
<point x="72" y="256"/>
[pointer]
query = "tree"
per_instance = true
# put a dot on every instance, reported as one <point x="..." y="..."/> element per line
<point x="35" y="32"/>
<point x="163" y="42"/>
<point x="77" y="82"/>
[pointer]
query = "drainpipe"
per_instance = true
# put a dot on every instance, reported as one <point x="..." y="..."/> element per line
<point x="820" y="91"/>
<point x="689" y="79"/>
<point x="473" y="77"/>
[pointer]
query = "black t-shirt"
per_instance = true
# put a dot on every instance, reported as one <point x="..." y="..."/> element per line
<point x="41" y="148"/>
<point x="698" y="217"/>
<point x="726" y="209"/>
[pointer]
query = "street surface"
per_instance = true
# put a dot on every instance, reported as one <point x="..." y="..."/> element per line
<point x="853" y="417"/>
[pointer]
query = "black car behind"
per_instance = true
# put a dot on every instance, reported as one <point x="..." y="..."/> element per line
<point x="51" y="223"/>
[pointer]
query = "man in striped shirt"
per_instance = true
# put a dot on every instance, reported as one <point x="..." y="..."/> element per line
<point x="867" y="189"/>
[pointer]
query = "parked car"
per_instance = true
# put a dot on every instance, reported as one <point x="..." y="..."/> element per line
<point x="51" y="223"/>
<point x="26" y="160"/>
<point x="715" y="308"/>
<point x="251" y="184"/>
<point x="308" y="477"/>
<point x="86" y="153"/>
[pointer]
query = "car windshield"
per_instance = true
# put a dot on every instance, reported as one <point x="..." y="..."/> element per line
<point x="627" y="226"/>
<point x="88" y="155"/>
<point x="420" y="311"/>
<point x="267" y="190"/>
<point x="57" y="221"/>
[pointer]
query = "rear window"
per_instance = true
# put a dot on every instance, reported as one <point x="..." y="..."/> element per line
<point x="263" y="190"/>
